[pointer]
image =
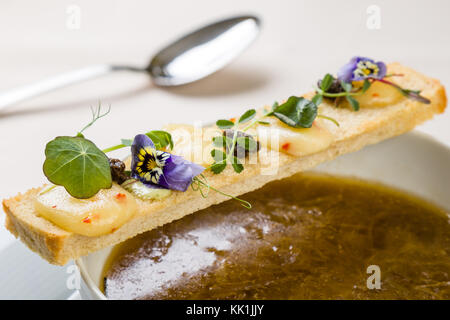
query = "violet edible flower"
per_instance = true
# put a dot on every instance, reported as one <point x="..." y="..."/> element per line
<point x="159" y="169"/>
<point x="361" y="68"/>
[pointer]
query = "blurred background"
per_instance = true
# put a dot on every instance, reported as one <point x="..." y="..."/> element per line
<point x="300" y="42"/>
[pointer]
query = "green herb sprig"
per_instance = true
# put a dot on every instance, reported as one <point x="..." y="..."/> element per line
<point x="348" y="91"/>
<point x="96" y="115"/>
<point x="220" y="157"/>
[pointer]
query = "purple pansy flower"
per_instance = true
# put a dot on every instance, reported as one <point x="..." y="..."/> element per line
<point x="159" y="169"/>
<point x="360" y="68"/>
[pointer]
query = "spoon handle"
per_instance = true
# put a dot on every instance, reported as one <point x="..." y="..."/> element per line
<point x="34" y="89"/>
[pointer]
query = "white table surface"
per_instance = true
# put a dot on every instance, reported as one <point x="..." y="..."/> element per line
<point x="300" y="41"/>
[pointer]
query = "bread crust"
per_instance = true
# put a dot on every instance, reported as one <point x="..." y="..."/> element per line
<point x="357" y="129"/>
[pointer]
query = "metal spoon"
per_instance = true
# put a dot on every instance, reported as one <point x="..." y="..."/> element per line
<point x="188" y="59"/>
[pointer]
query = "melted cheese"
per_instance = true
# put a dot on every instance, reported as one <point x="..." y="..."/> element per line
<point x="297" y="142"/>
<point x="102" y="214"/>
<point x="379" y="95"/>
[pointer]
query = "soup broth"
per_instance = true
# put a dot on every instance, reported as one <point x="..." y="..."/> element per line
<point x="312" y="236"/>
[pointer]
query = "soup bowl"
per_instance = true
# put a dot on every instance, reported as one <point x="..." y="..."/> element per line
<point x="414" y="162"/>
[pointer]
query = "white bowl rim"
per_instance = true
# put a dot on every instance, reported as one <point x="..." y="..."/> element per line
<point x="98" y="294"/>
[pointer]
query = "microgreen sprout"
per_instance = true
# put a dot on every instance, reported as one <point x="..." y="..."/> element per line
<point x="200" y="183"/>
<point x="96" y="115"/>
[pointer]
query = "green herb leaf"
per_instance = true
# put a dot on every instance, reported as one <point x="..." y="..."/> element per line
<point x="219" y="141"/>
<point x="366" y="85"/>
<point x="346" y="86"/>
<point x="78" y="165"/>
<point x="353" y="102"/>
<point x="218" y="167"/>
<point x="222" y="142"/>
<point x="160" y="138"/>
<point x="247" y="116"/>
<point x="218" y="155"/>
<point x="225" y="124"/>
<point x="263" y="122"/>
<point x="326" y="82"/>
<point x="237" y="166"/>
<point x="317" y="99"/>
<point x="247" y="143"/>
<point x="275" y="105"/>
<point x="297" y="112"/>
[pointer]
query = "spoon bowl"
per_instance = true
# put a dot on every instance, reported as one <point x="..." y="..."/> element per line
<point x="204" y="51"/>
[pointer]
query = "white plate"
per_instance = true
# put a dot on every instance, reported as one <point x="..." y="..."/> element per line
<point x="25" y="275"/>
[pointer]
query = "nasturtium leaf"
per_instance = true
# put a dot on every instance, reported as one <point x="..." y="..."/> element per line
<point x="237" y="166"/>
<point x="78" y="165"/>
<point x="247" y="116"/>
<point x="326" y="82"/>
<point x="353" y="103"/>
<point x="225" y="124"/>
<point x="297" y="112"/>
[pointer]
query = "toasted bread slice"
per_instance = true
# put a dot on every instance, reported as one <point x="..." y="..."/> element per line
<point x="357" y="129"/>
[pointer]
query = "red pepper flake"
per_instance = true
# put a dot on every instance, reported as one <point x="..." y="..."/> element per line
<point x="87" y="220"/>
<point x="120" y="196"/>
<point x="53" y="207"/>
<point x="113" y="229"/>
<point x="375" y="94"/>
<point x="285" y="146"/>
<point x="233" y="119"/>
